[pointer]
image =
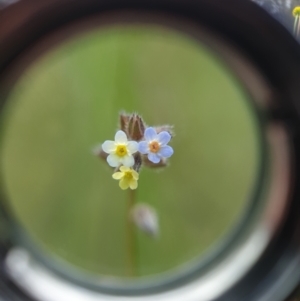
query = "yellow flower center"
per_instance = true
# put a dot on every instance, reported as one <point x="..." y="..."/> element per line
<point x="121" y="150"/>
<point x="296" y="11"/>
<point x="154" y="146"/>
<point x="128" y="175"/>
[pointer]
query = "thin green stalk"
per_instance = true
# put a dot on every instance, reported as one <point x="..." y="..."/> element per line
<point x="296" y="26"/>
<point x="131" y="236"/>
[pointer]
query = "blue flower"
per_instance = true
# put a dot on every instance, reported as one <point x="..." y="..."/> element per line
<point x="156" y="145"/>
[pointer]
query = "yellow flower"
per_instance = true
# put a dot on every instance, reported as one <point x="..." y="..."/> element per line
<point x="128" y="177"/>
<point x="296" y="11"/>
<point x="296" y="14"/>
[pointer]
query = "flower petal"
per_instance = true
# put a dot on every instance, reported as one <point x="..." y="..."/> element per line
<point x="143" y="147"/>
<point x="166" y="151"/>
<point x="124" y="168"/>
<point x="133" y="184"/>
<point x="153" y="158"/>
<point x="150" y="134"/>
<point x="127" y="161"/>
<point x="124" y="184"/>
<point x="132" y="146"/>
<point x="164" y="138"/>
<point x="113" y="160"/>
<point x="135" y="175"/>
<point x="120" y="137"/>
<point x="118" y="175"/>
<point x="108" y="146"/>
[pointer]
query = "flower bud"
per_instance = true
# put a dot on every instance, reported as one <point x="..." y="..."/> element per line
<point x="145" y="218"/>
<point x="124" y="118"/>
<point x="136" y="127"/>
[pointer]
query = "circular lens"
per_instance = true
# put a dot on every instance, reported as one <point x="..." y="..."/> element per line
<point x="69" y="101"/>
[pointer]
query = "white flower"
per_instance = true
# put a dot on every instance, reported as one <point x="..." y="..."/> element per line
<point x="120" y="151"/>
<point x="156" y="145"/>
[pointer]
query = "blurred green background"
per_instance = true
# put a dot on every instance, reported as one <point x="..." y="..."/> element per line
<point x="68" y="102"/>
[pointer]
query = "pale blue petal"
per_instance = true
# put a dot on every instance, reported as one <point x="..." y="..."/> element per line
<point x="143" y="147"/>
<point x="153" y="158"/>
<point x="166" y="151"/>
<point x="113" y="160"/>
<point x="132" y="146"/>
<point x="120" y="137"/>
<point x="108" y="146"/>
<point x="127" y="161"/>
<point x="150" y="134"/>
<point x="164" y="138"/>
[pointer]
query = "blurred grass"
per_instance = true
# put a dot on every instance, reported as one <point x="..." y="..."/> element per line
<point x="69" y="102"/>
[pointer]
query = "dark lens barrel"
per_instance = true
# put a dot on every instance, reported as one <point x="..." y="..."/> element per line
<point x="254" y="35"/>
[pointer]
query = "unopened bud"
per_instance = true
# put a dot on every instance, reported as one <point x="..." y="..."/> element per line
<point x="136" y="127"/>
<point x="124" y="118"/>
<point x="145" y="218"/>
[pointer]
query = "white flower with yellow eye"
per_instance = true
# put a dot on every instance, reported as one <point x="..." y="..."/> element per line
<point x="120" y="151"/>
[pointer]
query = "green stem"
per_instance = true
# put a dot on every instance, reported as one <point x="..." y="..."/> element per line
<point x="131" y="237"/>
<point x="296" y="26"/>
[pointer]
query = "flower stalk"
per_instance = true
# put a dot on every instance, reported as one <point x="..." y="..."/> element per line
<point x="296" y="14"/>
<point x="136" y="145"/>
<point x="132" y="252"/>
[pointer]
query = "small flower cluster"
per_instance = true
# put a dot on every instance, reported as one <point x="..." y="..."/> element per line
<point x="135" y="145"/>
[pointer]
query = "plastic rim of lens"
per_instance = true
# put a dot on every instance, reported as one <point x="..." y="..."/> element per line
<point x="263" y="263"/>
